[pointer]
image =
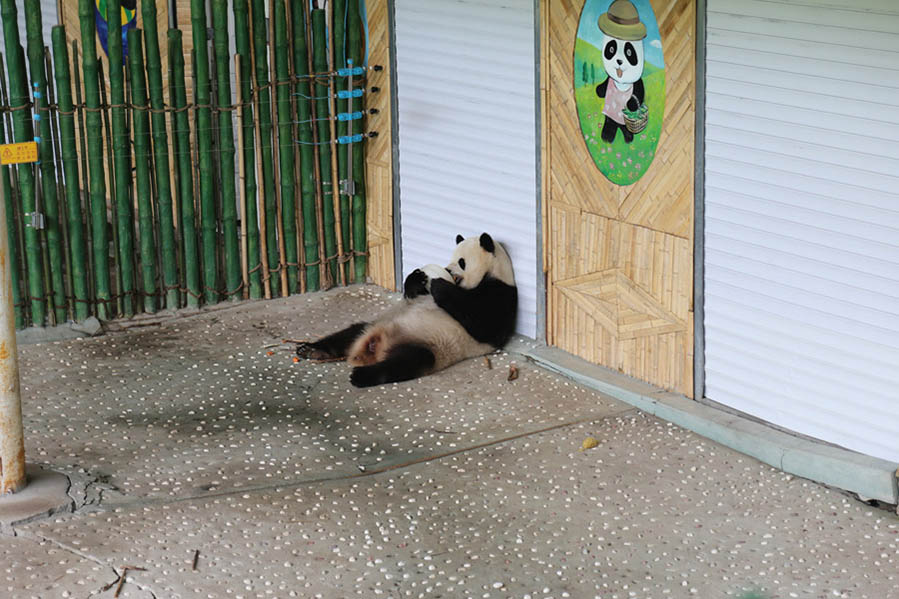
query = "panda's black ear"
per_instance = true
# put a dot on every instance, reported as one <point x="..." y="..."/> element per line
<point x="487" y="243"/>
<point x="459" y="239"/>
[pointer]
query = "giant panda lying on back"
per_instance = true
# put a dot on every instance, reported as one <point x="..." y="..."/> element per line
<point x="448" y="315"/>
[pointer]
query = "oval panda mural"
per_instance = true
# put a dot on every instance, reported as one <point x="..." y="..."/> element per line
<point x="619" y="86"/>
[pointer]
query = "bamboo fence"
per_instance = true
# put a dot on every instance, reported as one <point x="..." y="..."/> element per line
<point x="142" y="201"/>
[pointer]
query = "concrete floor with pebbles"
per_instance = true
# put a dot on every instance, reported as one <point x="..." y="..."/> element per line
<point x="187" y="435"/>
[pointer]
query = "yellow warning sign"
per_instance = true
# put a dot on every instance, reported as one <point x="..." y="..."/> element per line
<point x="18" y="153"/>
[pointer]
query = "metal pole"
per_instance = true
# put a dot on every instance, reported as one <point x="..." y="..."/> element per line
<point x="12" y="441"/>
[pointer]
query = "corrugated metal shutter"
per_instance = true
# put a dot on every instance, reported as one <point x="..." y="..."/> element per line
<point x="48" y="21"/>
<point x="467" y="153"/>
<point x="802" y="217"/>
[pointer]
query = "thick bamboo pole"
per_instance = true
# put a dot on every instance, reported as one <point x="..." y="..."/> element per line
<point x="161" y="154"/>
<point x="308" y="165"/>
<point x="288" y="243"/>
<point x="249" y="224"/>
<point x="233" y="281"/>
<point x="121" y="151"/>
<point x="70" y="166"/>
<point x="268" y="210"/>
<point x="142" y="168"/>
<point x="110" y="185"/>
<point x="337" y="196"/>
<point x="12" y="229"/>
<point x="34" y="32"/>
<point x="355" y="53"/>
<point x="320" y="65"/>
<point x="84" y="192"/>
<point x="22" y="131"/>
<point x="12" y="437"/>
<point x="204" y="148"/>
<point x="339" y="61"/>
<point x="276" y="134"/>
<point x="94" y="128"/>
<point x="241" y="178"/>
<point x="181" y="133"/>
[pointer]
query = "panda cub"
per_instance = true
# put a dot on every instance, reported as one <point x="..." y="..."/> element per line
<point x="465" y="310"/>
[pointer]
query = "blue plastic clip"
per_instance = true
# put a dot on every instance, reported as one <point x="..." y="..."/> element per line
<point x="349" y="139"/>
<point x="36" y="117"/>
<point x="351" y="71"/>
<point x="349" y="116"/>
<point x="344" y="94"/>
<point x="37" y="139"/>
<point x="37" y="94"/>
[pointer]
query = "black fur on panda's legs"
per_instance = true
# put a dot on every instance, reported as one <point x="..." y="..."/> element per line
<point x="403" y="363"/>
<point x="335" y="345"/>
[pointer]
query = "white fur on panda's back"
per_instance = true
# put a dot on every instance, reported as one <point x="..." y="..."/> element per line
<point x="424" y="322"/>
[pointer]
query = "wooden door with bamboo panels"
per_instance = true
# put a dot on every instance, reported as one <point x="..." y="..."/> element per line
<point x="619" y="257"/>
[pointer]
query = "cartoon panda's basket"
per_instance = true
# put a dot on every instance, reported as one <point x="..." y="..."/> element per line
<point x="636" y="120"/>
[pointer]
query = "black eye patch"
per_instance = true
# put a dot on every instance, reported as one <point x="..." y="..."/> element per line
<point x="631" y="53"/>
<point x="462" y="263"/>
<point x="611" y="49"/>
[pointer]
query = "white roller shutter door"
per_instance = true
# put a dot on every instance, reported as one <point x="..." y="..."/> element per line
<point x="467" y="149"/>
<point x="48" y="21"/>
<point x="802" y="217"/>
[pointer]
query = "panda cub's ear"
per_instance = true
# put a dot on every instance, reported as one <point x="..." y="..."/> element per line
<point x="487" y="243"/>
<point x="459" y="239"/>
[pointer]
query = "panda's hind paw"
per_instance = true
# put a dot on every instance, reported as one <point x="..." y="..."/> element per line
<point x="308" y="351"/>
<point x="366" y="376"/>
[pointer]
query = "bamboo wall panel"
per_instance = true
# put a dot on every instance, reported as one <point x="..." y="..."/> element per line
<point x="619" y="258"/>
<point x="379" y="152"/>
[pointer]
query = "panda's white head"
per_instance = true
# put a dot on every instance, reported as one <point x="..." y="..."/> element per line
<point x="478" y="257"/>
<point x="622" y="59"/>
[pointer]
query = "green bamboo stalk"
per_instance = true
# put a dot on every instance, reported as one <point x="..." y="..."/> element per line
<point x="11" y="224"/>
<point x="142" y="168"/>
<point x="161" y="154"/>
<point x="181" y="133"/>
<point x="70" y="166"/>
<point x="121" y="152"/>
<point x="307" y="150"/>
<point x="22" y="132"/>
<point x="36" y="65"/>
<point x="242" y="43"/>
<point x="320" y="64"/>
<point x="226" y="149"/>
<point x="354" y="51"/>
<point x="94" y="127"/>
<point x="84" y="191"/>
<point x="285" y="143"/>
<point x="204" y="148"/>
<point x="257" y="14"/>
<point x="339" y="19"/>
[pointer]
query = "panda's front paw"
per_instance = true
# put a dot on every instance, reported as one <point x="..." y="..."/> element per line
<point x="416" y="284"/>
<point x="440" y="289"/>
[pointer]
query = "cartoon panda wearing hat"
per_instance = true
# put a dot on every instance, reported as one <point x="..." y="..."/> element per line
<point x="622" y="58"/>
